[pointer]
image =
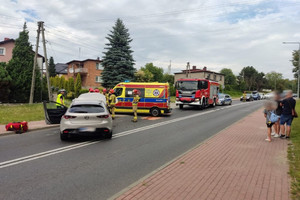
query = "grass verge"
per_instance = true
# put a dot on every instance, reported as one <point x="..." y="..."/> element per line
<point x="21" y="112"/>
<point x="294" y="156"/>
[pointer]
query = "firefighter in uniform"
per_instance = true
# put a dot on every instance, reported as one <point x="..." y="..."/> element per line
<point x="112" y="100"/>
<point x="244" y="96"/>
<point x="135" y="102"/>
<point x="105" y="93"/>
<point x="60" y="100"/>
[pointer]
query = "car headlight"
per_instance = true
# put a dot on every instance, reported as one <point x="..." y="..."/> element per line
<point x="197" y="100"/>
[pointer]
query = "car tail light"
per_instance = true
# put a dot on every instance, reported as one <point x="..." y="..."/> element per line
<point x="69" y="117"/>
<point x="65" y="131"/>
<point x="103" y="116"/>
<point x="106" y="130"/>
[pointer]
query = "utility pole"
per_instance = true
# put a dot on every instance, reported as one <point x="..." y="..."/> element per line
<point x="34" y="64"/>
<point x="298" y="89"/>
<point x="187" y="71"/>
<point x="46" y="62"/>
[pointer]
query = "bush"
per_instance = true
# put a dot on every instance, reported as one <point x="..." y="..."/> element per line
<point x="70" y="95"/>
<point x="82" y="91"/>
<point x="172" y="90"/>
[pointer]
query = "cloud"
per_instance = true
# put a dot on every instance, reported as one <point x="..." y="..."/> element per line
<point x="213" y="33"/>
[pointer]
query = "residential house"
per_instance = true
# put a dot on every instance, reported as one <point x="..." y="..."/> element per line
<point x="61" y="69"/>
<point x="6" y="49"/>
<point x="90" y="71"/>
<point x="201" y="74"/>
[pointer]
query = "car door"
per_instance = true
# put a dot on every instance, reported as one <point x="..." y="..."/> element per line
<point x="227" y="99"/>
<point x="53" y="113"/>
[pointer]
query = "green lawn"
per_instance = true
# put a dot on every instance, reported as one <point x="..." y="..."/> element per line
<point x="21" y="112"/>
<point x="294" y="156"/>
<point x="234" y="94"/>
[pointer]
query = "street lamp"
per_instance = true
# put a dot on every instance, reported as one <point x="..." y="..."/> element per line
<point x="298" y="65"/>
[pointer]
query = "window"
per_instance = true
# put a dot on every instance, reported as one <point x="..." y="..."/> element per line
<point x="118" y="91"/>
<point x="99" y="66"/>
<point x="203" y="85"/>
<point x="2" y="51"/>
<point x="99" y="79"/>
<point x="220" y="77"/>
<point x="129" y="92"/>
<point x="86" y="109"/>
<point x="215" y="77"/>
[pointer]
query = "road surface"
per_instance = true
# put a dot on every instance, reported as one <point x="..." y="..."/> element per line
<point x="37" y="165"/>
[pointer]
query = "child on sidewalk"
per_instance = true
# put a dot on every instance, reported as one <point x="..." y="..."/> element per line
<point x="270" y="106"/>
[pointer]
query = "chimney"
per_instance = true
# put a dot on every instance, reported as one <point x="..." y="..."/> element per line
<point x="204" y="68"/>
<point x="6" y="39"/>
<point x="194" y="67"/>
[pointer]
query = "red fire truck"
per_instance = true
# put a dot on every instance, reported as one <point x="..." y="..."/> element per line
<point x="196" y="92"/>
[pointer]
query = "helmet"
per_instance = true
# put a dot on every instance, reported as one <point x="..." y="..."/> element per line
<point x="91" y="90"/>
<point x="104" y="90"/>
<point x="135" y="91"/>
<point x="96" y="90"/>
<point x="111" y="91"/>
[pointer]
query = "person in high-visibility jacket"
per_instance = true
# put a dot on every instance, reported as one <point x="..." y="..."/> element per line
<point x="112" y="102"/>
<point x="244" y="96"/>
<point x="135" y="102"/>
<point x="60" y="100"/>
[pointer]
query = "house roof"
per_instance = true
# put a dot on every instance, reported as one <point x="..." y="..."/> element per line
<point x="61" y="68"/>
<point x="82" y="61"/>
<point x="198" y="71"/>
<point x="7" y="41"/>
<point x="12" y="40"/>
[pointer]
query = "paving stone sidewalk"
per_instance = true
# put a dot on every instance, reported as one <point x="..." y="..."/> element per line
<point x="34" y="125"/>
<point x="236" y="164"/>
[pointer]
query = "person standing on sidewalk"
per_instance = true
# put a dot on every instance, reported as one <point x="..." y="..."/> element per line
<point x="270" y="107"/>
<point x="244" y="96"/>
<point x="288" y="113"/>
<point x="278" y="112"/>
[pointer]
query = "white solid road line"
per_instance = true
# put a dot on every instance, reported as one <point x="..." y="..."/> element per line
<point x="83" y="144"/>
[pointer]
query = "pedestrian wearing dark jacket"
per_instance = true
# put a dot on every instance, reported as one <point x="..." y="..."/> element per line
<point x="288" y="105"/>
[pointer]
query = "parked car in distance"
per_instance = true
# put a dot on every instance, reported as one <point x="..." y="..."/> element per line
<point x="256" y="95"/>
<point x="87" y="115"/>
<point x="269" y="95"/>
<point x="249" y="97"/>
<point x="224" y="99"/>
<point x="262" y="96"/>
<point x="295" y="95"/>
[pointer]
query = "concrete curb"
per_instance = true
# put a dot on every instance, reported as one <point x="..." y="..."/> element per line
<point x="115" y="196"/>
<point x="29" y="130"/>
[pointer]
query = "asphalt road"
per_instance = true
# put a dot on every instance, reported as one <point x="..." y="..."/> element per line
<point x="37" y="165"/>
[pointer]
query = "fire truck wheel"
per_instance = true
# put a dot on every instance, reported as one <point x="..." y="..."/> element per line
<point x="180" y="106"/>
<point x="155" y="112"/>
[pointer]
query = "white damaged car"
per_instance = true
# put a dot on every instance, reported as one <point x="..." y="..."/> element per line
<point x="87" y="116"/>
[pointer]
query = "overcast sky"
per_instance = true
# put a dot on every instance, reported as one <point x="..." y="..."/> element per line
<point x="212" y="33"/>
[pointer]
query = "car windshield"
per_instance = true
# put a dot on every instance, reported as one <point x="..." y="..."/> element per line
<point x="248" y="95"/>
<point x="88" y="108"/>
<point x="221" y="96"/>
<point x="187" y="85"/>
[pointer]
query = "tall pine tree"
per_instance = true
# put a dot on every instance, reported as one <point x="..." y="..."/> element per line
<point x="118" y="61"/>
<point x="20" y="70"/>
<point x="52" y="71"/>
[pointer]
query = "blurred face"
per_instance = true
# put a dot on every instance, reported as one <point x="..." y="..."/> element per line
<point x="289" y="94"/>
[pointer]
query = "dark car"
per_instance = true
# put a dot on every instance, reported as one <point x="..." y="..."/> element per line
<point x="249" y="97"/>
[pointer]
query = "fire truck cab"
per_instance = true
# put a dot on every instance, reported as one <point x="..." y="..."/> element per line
<point x="196" y="92"/>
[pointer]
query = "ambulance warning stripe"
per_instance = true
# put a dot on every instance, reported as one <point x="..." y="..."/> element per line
<point x="144" y="86"/>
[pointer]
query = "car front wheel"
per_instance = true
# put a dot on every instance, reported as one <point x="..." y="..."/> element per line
<point x="109" y="135"/>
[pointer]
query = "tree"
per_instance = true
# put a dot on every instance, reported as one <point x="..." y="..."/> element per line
<point x="5" y="81"/>
<point x="158" y="73"/>
<point x="20" y="70"/>
<point x="230" y="78"/>
<point x="169" y="78"/>
<point x="77" y="85"/>
<point x="118" y="61"/>
<point x="62" y="82"/>
<point x="249" y="74"/>
<point x="143" y="76"/>
<point x="52" y="71"/>
<point x="71" y="84"/>
<point x="274" y="80"/>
